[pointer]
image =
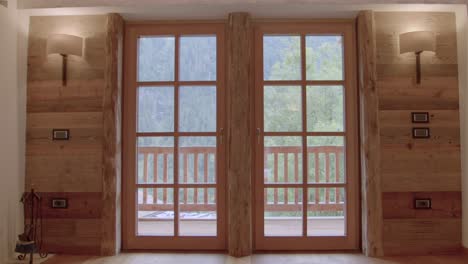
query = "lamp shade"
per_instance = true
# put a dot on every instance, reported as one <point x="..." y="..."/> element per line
<point x="417" y="41"/>
<point x="65" y="44"/>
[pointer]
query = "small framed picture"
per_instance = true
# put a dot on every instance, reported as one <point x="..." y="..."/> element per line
<point x="421" y="132"/>
<point x="60" y="134"/>
<point x="420" y="117"/>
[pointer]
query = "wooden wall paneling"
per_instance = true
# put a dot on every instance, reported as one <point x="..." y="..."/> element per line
<point x="72" y="236"/>
<point x="239" y="133"/>
<point x="112" y="117"/>
<point x="419" y="168"/>
<point x="69" y="173"/>
<point x="389" y="25"/>
<point x="422" y="236"/>
<point x="369" y="134"/>
<point x="434" y="93"/>
<point x="81" y="205"/>
<point x="78" y="96"/>
<point x="400" y="205"/>
<point x="396" y="127"/>
<point x="71" y="169"/>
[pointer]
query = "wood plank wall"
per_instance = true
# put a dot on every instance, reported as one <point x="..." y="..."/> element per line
<point x="67" y="169"/>
<point x="419" y="168"/>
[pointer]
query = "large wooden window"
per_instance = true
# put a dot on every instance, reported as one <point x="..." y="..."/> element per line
<point x="306" y="173"/>
<point x="174" y="182"/>
<point x="306" y="155"/>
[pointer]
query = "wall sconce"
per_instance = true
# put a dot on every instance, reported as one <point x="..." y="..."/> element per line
<point x="64" y="45"/>
<point x="417" y="42"/>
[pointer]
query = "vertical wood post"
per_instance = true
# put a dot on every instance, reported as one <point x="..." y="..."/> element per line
<point x="112" y="118"/>
<point x="369" y="137"/>
<point x="239" y="133"/>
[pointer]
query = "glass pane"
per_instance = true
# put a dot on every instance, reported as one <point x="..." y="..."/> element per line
<point x="324" y="57"/>
<point x="156" y="58"/>
<point x="283" y="160"/>
<point x="326" y="212"/>
<point x="197" y="109"/>
<point x="283" y="212"/>
<point x="197" y="160"/>
<point x="198" y="58"/>
<point x="282" y="57"/>
<point x="282" y="106"/>
<point x="155" y="160"/>
<point x="326" y="159"/>
<point x="156" y="109"/>
<point x="325" y="109"/>
<point x="155" y="212"/>
<point x="197" y="212"/>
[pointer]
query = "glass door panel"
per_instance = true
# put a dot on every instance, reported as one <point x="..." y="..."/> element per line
<point x="178" y="178"/>
<point x="305" y="183"/>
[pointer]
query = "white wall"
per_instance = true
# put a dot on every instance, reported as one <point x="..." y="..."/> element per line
<point x="11" y="134"/>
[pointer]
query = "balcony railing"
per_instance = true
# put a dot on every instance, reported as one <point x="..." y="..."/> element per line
<point x="326" y="165"/>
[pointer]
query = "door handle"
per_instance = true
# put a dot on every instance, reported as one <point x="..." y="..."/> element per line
<point x="221" y="136"/>
<point x="258" y="135"/>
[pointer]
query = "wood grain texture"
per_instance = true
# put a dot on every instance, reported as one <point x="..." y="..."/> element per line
<point x="389" y="25"/>
<point x="422" y="236"/>
<point x="112" y="143"/>
<point x="78" y="96"/>
<point x="71" y="169"/>
<point x="239" y="132"/>
<point x="71" y="173"/>
<point x="401" y="205"/>
<point x="81" y="205"/>
<point x="72" y="236"/>
<point x="396" y="127"/>
<point x="419" y="168"/>
<point x="370" y="139"/>
<point x="434" y="93"/>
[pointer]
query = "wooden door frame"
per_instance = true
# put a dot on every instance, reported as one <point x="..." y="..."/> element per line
<point x="130" y="240"/>
<point x="346" y="28"/>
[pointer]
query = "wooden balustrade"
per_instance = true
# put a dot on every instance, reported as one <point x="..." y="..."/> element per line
<point x="322" y="162"/>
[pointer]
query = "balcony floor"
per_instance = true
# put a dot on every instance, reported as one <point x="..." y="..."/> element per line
<point x="273" y="227"/>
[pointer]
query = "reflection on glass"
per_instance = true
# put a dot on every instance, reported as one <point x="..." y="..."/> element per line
<point x="198" y="58"/>
<point x="197" y="159"/>
<point x="156" y="109"/>
<point x="197" y="109"/>
<point x="156" y="58"/>
<point x="326" y="212"/>
<point x="326" y="159"/>
<point x="325" y="109"/>
<point x="282" y="108"/>
<point x="155" y="160"/>
<point x="155" y="212"/>
<point x="283" y="159"/>
<point x="197" y="212"/>
<point x="281" y="57"/>
<point x="283" y="212"/>
<point x="324" y="57"/>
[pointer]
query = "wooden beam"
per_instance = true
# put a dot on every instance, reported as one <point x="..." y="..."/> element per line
<point x="370" y="137"/>
<point x="239" y="132"/>
<point x="112" y="142"/>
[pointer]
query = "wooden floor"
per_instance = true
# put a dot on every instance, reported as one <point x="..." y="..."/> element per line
<point x="147" y="258"/>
